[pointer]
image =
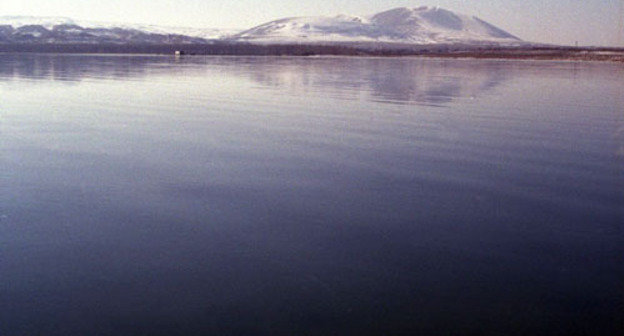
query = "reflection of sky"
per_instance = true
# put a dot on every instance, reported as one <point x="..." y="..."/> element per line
<point x="162" y="193"/>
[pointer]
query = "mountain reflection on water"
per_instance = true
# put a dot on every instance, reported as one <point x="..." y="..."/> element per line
<point x="387" y="80"/>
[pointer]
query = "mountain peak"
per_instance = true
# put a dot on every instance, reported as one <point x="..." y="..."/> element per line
<point x="418" y="25"/>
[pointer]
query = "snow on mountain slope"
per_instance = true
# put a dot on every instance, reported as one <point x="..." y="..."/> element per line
<point x="47" y="22"/>
<point x="50" y="22"/>
<point x="311" y="29"/>
<point x="205" y="33"/>
<point x="422" y="25"/>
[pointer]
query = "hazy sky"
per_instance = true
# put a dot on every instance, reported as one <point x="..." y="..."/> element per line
<point x="591" y="22"/>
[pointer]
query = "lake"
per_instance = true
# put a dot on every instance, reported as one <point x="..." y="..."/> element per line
<point x="153" y="195"/>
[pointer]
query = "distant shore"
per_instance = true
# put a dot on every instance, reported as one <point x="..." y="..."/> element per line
<point x="542" y="54"/>
<point x="355" y="49"/>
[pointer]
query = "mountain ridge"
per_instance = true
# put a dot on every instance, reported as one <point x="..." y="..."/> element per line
<point x="419" y="26"/>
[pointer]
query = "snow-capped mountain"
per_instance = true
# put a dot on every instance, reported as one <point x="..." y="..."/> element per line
<point x="63" y="29"/>
<point x="422" y="25"/>
<point x="47" y="22"/>
<point x="72" y="34"/>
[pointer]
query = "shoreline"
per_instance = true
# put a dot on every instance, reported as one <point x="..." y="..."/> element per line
<point x="545" y="53"/>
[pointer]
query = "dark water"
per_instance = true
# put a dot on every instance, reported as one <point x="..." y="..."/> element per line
<point x="332" y="196"/>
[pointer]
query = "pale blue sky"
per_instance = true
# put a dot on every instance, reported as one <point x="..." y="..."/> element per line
<point x="591" y="22"/>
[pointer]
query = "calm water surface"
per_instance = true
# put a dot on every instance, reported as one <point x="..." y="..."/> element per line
<point x="301" y="196"/>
